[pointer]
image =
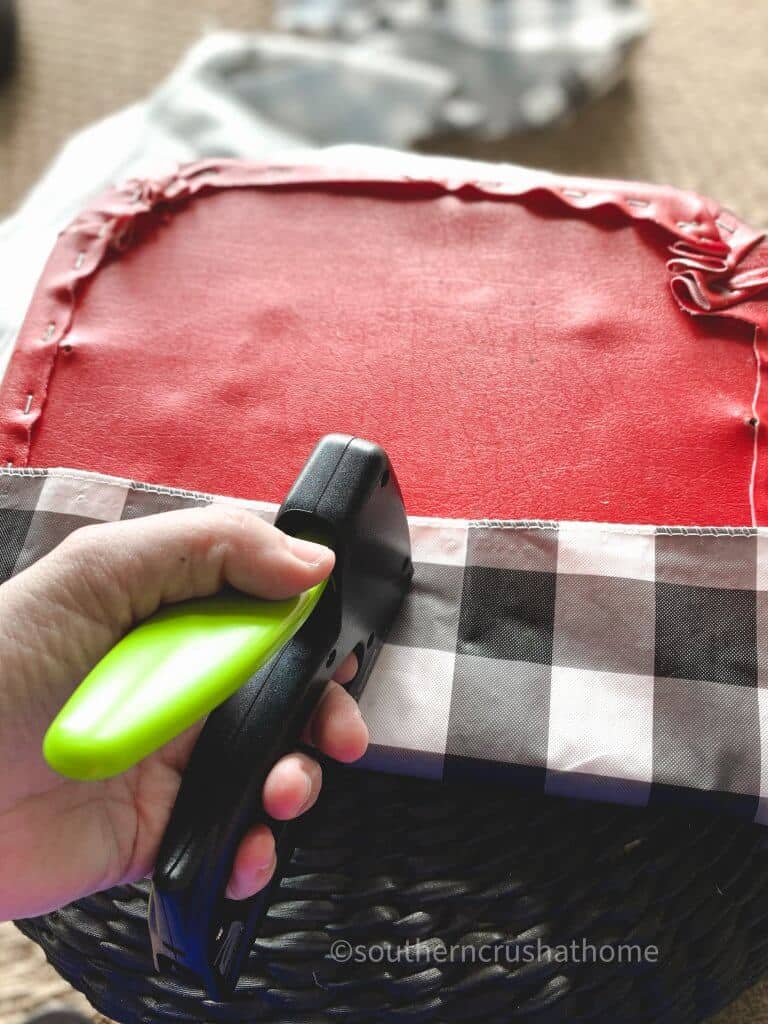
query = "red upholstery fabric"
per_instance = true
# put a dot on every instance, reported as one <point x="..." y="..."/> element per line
<point x="514" y="344"/>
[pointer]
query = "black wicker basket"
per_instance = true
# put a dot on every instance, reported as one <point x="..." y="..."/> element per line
<point x="409" y="867"/>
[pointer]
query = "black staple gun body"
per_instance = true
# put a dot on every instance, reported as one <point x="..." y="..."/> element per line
<point x="347" y="496"/>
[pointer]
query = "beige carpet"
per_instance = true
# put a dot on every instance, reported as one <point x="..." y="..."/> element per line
<point x="692" y="115"/>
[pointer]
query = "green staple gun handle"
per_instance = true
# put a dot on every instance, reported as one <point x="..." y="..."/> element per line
<point x="165" y="675"/>
<point x="268" y="663"/>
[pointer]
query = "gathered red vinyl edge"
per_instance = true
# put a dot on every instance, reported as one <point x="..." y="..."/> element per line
<point x="717" y="266"/>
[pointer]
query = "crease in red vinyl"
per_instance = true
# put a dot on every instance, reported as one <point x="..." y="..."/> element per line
<point x="279" y="302"/>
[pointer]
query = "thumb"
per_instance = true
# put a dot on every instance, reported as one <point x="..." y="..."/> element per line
<point x="115" y="574"/>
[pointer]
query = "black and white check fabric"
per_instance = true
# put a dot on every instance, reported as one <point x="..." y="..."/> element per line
<point x="516" y="64"/>
<point x="621" y="663"/>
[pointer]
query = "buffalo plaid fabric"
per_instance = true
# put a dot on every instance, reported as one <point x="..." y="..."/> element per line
<point x="621" y="663"/>
<point x="516" y="64"/>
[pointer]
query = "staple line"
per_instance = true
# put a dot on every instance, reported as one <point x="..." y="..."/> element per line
<point x="756" y="438"/>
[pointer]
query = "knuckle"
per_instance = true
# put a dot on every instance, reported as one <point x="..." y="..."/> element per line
<point x="84" y="540"/>
<point x="221" y="519"/>
<point x="222" y="526"/>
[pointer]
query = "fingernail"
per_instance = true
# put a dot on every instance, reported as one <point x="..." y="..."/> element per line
<point x="307" y="551"/>
<point x="232" y="892"/>
<point x="267" y="864"/>
<point x="308" y="792"/>
<point x="235" y="891"/>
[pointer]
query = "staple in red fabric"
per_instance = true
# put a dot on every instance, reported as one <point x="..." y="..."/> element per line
<point x="518" y="350"/>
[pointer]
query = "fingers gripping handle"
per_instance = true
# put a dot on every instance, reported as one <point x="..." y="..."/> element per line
<point x="349" y="494"/>
<point x="193" y="925"/>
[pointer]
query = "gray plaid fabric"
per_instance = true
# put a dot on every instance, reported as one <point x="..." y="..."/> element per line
<point x="621" y="663"/>
<point x="517" y="64"/>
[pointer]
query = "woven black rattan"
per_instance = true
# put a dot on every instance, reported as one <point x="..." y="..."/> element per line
<point x="383" y="860"/>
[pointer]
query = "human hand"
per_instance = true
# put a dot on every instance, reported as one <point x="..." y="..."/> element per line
<point x="61" y="839"/>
